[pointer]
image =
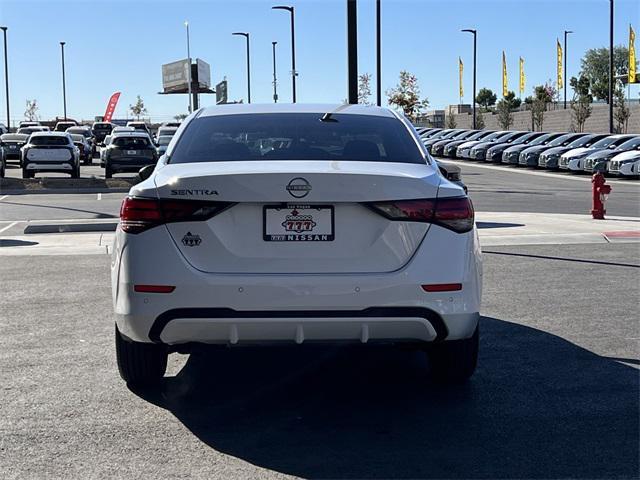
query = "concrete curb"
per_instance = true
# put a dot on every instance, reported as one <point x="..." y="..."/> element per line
<point x="49" y="191"/>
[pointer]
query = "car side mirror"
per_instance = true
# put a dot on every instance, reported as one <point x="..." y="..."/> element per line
<point x="145" y="172"/>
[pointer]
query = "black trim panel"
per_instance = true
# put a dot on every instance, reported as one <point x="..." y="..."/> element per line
<point x="395" y="312"/>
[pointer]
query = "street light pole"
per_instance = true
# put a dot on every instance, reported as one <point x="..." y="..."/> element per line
<point x="6" y="75"/>
<point x="275" y="80"/>
<point x="378" y="57"/>
<point x="246" y="35"/>
<point x="64" y="86"/>
<point x="294" y="74"/>
<point x="475" y="33"/>
<point x="352" y="51"/>
<point x="610" y="66"/>
<point x="186" y="24"/>
<point x="566" y="32"/>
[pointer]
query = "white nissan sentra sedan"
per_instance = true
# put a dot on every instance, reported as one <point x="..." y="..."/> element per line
<point x="347" y="231"/>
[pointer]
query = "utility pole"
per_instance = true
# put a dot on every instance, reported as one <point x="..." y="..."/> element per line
<point x="246" y="36"/>
<point x="64" y="86"/>
<point x="6" y="75"/>
<point x="186" y="24"/>
<point x="294" y="74"/>
<point x="275" y="80"/>
<point x="473" y="101"/>
<point x="352" y="50"/>
<point x="378" y="57"/>
<point x="610" y="66"/>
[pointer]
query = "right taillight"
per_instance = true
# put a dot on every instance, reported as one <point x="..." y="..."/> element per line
<point x="140" y="214"/>
<point x="453" y="213"/>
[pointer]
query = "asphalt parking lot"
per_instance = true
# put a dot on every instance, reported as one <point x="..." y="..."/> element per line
<point x="555" y="395"/>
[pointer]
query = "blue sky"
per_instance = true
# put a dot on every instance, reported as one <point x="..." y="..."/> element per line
<point x="119" y="45"/>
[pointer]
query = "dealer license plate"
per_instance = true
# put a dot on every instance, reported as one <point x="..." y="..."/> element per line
<point x="132" y="152"/>
<point x="298" y="223"/>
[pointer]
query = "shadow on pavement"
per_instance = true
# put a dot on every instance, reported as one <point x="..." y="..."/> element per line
<point x="538" y="407"/>
<point x="16" y="243"/>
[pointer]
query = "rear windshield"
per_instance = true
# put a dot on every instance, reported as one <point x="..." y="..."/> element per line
<point x="131" y="142"/>
<point x="102" y="126"/>
<point x="630" y="144"/>
<point x="53" y="141"/>
<point x="13" y="137"/>
<point x="296" y="136"/>
<point x="164" y="140"/>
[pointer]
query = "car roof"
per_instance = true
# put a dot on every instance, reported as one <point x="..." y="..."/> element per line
<point x="130" y="134"/>
<point x="49" y="134"/>
<point x="336" y="108"/>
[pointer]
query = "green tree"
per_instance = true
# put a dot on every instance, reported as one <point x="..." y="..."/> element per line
<point x="505" y="108"/>
<point x="138" y="109"/>
<point x="179" y="117"/>
<point x="406" y="96"/>
<point x="595" y="66"/>
<point x="451" y="121"/>
<point x="621" y="112"/>
<point x="486" y="99"/>
<point x="479" y="120"/>
<point x="581" y="103"/>
<point x="31" y="112"/>
<point x="364" y="89"/>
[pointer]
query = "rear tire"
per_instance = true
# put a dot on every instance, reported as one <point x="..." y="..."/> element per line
<point x="75" y="172"/>
<point x="26" y="173"/>
<point x="107" y="171"/>
<point x="454" y="361"/>
<point x="140" y="364"/>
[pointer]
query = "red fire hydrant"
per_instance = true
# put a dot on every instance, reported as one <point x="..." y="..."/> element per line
<point x="600" y="191"/>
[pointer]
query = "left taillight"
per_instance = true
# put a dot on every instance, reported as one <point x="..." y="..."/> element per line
<point x="453" y="213"/>
<point x="140" y="214"/>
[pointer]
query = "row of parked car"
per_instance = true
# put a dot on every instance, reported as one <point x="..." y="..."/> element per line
<point x="617" y="155"/>
<point x="36" y="148"/>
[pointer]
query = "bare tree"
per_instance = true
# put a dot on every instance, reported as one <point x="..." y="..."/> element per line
<point x="621" y="113"/>
<point x="451" y="121"/>
<point x="364" y="89"/>
<point x="31" y="113"/>
<point x="406" y="96"/>
<point x="138" y="108"/>
<point x="581" y="102"/>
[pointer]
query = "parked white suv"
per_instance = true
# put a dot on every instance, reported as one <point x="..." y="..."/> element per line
<point x="348" y="232"/>
<point x="50" y="152"/>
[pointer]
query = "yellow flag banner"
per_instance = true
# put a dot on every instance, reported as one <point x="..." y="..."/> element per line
<point x="522" y="77"/>
<point x="560" y="77"/>
<point x="504" y="75"/>
<point x="461" y="68"/>
<point x="632" y="55"/>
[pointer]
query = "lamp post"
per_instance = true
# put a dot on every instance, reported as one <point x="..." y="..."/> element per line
<point x="566" y="32"/>
<point x="246" y="35"/>
<point x="6" y="74"/>
<point x="64" y="86"/>
<point x="610" y="66"/>
<point x="352" y="51"/>
<point x="475" y="33"/>
<point x="378" y="57"/>
<point x="294" y="74"/>
<point x="275" y="80"/>
<point x="186" y="24"/>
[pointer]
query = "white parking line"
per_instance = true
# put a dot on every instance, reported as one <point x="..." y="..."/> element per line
<point x="8" y="226"/>
<point x="3" y="197"/>
<point x="539" y="174"/>
<point x="99" y="196"/>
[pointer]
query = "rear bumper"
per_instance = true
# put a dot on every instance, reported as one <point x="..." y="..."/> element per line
<point x="61" y="167"/>
<point x="265" y="308"/>
<point x="127" y="164"/>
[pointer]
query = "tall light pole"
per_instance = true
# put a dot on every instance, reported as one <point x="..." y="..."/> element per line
<point x="378" y="57"/>
<point x="275" y="80"/>
<point x="475" y="33"/>
<point x="566" y="32"/>
<point x="246" y="35"/>
<point x="610" y="66"/>
<point x="352" y="51"/>
<point x="186" y="24"/>
<point x="6" y="75"/>
<point x="294" y="74"/>
<point x="64" y="86"/>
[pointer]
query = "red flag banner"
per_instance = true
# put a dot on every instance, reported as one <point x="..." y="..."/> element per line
<point x="111" y="107"/>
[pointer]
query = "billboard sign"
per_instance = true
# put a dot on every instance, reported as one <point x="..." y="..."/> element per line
<point x="204" y="74"/>
<point x="175" y="75"/>
<point x="221" y="92"/>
